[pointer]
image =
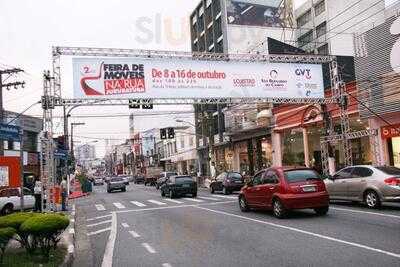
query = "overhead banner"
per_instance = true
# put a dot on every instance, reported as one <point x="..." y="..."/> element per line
<point x="133" y="78"/>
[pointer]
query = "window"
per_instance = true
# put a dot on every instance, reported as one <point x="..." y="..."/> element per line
<point x="303" y="19"/>
<point x="235" y="176"/>
<point x="13" y="192"/>
<point x="257" y="178"/>
<point x="221" y="177"/>
<point x="218" y="28"/>
<point x="305" y="38"/>
<point x="319" y="8"/>
<point x="27" y="192"/>
<point x="360" y="172"/>
<point x="323" y="50"/>
<point x="220" y="47"/>
<point x="270" y="178"/>
<point x="182" y="142"/>
<point x="344" y="174"/>
<point x="321" y="29"/>
<point x="295" y="176"/>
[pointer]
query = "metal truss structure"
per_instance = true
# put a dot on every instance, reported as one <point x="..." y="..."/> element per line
<point x="52" y="96"/>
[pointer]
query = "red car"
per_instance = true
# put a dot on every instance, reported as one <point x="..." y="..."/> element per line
<point x="283" y="189"/>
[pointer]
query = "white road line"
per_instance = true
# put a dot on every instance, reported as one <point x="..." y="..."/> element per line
<point x="173" y="201"/>
<point x="156" y="202"/>
<point x="99" y="231"/>
<point x="193" y="199"/>
<point x="134" y="234"/>
<point x="149" y="248"/>
<point x="99" y="217"/>
<point x="139" y="204"/>
<point x="305" y="232"/>
<point x="210" y="198"/>
<point x="366" y="212"/>
<point x="99" y="223"/>
<point x="119" y="205"/>
<point x="166" y="265"/>
<point x="125" y="225"/>
<point x="228" y="197"/>
<point x="100" y="207"/>
<point x="109" y="252"/>
<point x="73" y="207"/>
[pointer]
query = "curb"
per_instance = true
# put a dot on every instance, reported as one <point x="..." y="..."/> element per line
<point x="68" y="238"/>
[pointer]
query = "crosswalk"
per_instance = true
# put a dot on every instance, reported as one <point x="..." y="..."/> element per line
<point x="164" y="202"/>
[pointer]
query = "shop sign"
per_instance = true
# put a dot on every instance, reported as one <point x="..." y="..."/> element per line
<point x="390" y="131"/>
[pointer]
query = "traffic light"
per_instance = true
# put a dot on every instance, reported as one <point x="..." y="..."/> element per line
<point x="171" y="133"/>
<point x="134" y="104"/>
<point x="163" y="134"/>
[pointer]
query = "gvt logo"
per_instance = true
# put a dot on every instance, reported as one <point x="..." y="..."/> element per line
<point x="304" y="72"/>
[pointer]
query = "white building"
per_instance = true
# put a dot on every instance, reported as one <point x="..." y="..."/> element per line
<point x="85" y="152"/>
<point x="328" y="26"/>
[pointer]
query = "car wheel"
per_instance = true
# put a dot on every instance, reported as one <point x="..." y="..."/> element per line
<point x="124" y="189"/>
<point x="372" y="199"/>
<point x="108" y="191"/>
<point x="278" y="209"/>
<point x="322" y="210"/>
<point x="194" y="194"/>
<point x="211" y="189"/>
<point x="243" y="204"/>
<point x="8" y="209"/>
<point x="162" y="193"/>
<point x="171" y="194"/>
<point x="225" y="191"/>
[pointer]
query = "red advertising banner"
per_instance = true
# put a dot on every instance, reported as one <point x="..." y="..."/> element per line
<point x="10" y="172"/>
<point x="390" y="131"/>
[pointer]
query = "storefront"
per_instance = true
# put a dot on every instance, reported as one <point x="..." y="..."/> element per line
<point x="391" y="139"/>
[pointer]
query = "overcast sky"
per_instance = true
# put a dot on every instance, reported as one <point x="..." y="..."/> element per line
<point x="29" y="28"/>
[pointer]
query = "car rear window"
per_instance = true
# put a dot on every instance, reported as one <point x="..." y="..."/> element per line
<point x="183" y="179"/>
<point x="117" y="179"/>
<point x="295" y="176"/>
<point x="389" y="170"/>
<point x="169" y="174"/>
<point x="235" y="176"/>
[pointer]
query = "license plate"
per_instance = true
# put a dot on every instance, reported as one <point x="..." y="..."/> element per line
<point x="309" y="189"/>
<point x="186" y="185"/>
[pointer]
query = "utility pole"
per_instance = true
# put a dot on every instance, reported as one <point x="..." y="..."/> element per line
<point x="8" y="72"/>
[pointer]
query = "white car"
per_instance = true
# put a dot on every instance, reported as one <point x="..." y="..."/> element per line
<point x="10" y="200"/>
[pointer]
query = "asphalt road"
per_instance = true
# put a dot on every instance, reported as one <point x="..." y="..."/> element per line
<point x="140" y="228"/>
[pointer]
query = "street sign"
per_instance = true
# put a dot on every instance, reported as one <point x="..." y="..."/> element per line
<point x="10" y="132"/>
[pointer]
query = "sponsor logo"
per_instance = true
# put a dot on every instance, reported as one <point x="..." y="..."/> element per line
<point x="273" y="74"/>
<point x="273" y="81"/>
<point x="244" y="82"/>
<point x="304" y="73"/>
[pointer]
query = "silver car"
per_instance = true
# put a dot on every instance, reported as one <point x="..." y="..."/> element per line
<point x="116" y="183"/>
<point x="365" y="183"/>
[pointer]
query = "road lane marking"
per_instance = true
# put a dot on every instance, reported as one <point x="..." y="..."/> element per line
<point x="125" y="225"/>
<point x="305" y="232"/>
<point x="228" y="197"/>
<point x="173" y="201"/>
<point x="100" y="207"/>
<point x="175" y="207"/>
<point x="134" y="234"/>
<point x="166" y="265"/>
<point x="193" y="199"/>
<point x="149" y="248"/>
<point x="210" y="198"/>
<point x="139" y="204"/>
<point x="99" y="231"/>
<point x="99" y="223"/>
<point x="109" y="251"/>
<point x="119" y="205"/>
<point x="156" y="202"/>
<point x="367" y="212"/>
<point x="99" y="217"/>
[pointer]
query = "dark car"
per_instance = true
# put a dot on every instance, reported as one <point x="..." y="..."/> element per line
<point x="227" y="182"/>
<point x="163" y="178"/>
<point x="116" y="183"/>
<point x="138" y="179"/>
<point x="284" y="189"/>
<point x="179" y="186"/>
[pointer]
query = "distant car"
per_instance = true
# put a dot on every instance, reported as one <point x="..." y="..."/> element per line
<point x="98" y="181"/>
<point x="126" y="179"/>
<point x="116" y="183"/>
<point x="227" y="182"/>
<point x="138" y="179"/>
<point x="10" y="200"/>
<point x="284" y="189"/>
<point x="179" y="186"/>
<point x="163" y="178"/>
<point x="150" y="180"/>
<point x="365" y="183"/>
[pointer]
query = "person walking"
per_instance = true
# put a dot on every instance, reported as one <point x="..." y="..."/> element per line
<point x="64" y="194"/>
<point x="37" y="192"/>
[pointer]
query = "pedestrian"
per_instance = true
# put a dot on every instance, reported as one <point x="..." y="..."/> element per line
<point x="37" y="192"/>
<point x="213" y="171"/>
<point x="64" y="193"/>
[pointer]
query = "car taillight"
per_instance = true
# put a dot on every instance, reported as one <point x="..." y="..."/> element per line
<point x="393" y="181"/>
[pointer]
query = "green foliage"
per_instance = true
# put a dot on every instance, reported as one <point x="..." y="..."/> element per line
<point x="46" y="230"/>
<point x="5" y="235"/>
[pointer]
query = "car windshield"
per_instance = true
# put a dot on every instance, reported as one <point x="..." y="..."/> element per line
<point x="169" y="174"/>
<point x="390" y="170"/>
<point x="294" y="176"/>
<point x="117" y="179"/>
<point x="181" y="179"/>
<point x="235" y="176"/>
